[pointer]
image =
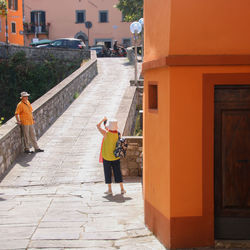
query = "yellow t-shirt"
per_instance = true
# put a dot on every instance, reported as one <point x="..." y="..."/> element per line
<point x="24" y="110"/>
<point x="108" y="146"/>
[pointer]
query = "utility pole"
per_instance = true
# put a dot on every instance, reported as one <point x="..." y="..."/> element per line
<point x="6" y="28"/>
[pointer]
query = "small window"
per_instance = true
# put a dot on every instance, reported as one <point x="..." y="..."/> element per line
<point x="103" y="16"/>
<point x="0" y="25"/>
<point x="80" y="16"/>
<point x="126" y="42"/>
<point x="13" y="27"/>
<point x="153" y="96"/>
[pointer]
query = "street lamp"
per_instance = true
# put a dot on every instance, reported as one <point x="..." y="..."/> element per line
<point x="141" y="21"/>
<point x="135" y="29"/>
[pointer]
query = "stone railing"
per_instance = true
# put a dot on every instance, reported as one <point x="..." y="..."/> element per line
<point x="45" y="110"/>
<point x="131" y="165"/>
<point x="38" y="54"/>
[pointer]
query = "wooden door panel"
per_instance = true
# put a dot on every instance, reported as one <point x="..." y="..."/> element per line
<point x="235" y="149"/>
<point x="232" y="162"/>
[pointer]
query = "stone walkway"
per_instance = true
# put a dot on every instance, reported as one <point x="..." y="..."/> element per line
<point x="55" y="199"/>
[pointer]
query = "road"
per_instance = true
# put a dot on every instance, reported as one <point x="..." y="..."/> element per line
<point x="56" y="200"/>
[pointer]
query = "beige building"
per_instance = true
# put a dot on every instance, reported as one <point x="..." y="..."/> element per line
<point x="69" y="18"/>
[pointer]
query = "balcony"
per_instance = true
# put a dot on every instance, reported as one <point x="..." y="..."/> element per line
<point x="30" y="28"/>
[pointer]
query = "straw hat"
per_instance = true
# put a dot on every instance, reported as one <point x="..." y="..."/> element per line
<point x="113" y="125"/>
<point x="23" y="94"/>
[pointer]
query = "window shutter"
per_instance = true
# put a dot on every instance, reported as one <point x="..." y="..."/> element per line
<point x="43" y="21"/>
<point x="32" y="20"/>
<point x="15" y="4"/>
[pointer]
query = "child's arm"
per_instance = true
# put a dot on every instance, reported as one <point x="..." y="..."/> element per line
<point x="102" y="131"/>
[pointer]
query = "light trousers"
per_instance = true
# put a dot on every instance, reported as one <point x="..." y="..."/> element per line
<point x="29" y="135"/>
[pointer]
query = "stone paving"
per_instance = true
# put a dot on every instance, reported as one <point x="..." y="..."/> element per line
<point x="56" y="200"/>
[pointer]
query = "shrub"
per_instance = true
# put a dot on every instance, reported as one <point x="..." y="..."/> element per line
<point x="19" y="74"/>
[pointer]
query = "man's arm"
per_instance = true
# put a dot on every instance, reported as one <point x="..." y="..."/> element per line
<point x="17" y="114"/>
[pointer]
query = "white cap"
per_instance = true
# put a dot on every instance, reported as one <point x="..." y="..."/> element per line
<point x="113" y="125"/>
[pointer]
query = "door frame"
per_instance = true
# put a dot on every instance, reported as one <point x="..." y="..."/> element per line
<point x="209" y="82"/>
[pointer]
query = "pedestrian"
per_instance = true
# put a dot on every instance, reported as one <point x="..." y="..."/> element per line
<point x="110" y="162"/>
<point x="25" y="119"/>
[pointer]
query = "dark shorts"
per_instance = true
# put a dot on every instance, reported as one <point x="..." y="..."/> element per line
<point x="108" y="166"/>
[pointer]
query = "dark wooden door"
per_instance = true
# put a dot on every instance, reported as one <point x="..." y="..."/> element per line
<point x="232" y="162"/>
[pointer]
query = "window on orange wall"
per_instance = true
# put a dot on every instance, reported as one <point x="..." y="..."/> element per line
<point x="10" y="3"/>
<point x="13" y="27"/>
<point x="0" y="25"/>
<point x="153" y="96"/>
<point x="15" y="7"/>
<point x="13" y="4"/>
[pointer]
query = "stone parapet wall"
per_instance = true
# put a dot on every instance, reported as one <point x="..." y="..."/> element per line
<point x="46" y="110"/>
<point x="127" y="111"/>
<point x="38" y="54"/>
<point x="131" y="165"/>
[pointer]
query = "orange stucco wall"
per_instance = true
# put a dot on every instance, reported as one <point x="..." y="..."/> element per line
<point x="157" y="28"/>
<point x="15" y="16"/>
<point x="173" y="145"/>
<point x="177" y="190"/>
<point x="180" y="27"/>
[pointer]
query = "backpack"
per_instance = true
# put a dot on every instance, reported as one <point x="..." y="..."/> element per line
<point x="120" y="147"/>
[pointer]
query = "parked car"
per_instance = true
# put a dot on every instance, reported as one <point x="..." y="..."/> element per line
<point x="99" y="51"/>
<point x="68" y="43"/>
<point x="41" y="42"/>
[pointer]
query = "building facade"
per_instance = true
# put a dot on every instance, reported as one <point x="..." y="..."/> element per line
<point x="45" y="19"/>
<point x="14" y="20"/>
<point x="197" y="121"/>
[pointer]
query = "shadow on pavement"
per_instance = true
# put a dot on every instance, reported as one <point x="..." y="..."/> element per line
<point x="24" y="159"/>
<point x="127" y="64"/>
<point x="2" y="199"/>
<point x="118" y="198"/>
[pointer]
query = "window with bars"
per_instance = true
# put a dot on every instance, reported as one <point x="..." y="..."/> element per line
<point x="80" y="16"/>
<point x="103" y="16"/>
<point x="13" y="4"/>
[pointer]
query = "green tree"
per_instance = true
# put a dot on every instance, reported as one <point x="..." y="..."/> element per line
<point x="3" y="7"/>
<point x="132" y="10"/>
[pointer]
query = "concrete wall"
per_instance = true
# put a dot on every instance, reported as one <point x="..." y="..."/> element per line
<point x="38" y="54"/>
<point x="46" y="110"/>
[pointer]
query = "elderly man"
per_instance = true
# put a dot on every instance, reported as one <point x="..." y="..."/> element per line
<point x="24" y="118"/>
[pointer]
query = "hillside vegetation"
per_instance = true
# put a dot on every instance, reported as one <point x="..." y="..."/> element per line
<point x="21" y="74"/>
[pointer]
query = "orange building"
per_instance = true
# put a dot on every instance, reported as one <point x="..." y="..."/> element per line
<point x="197" y="121"/>
<point x="14" y="19"/>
